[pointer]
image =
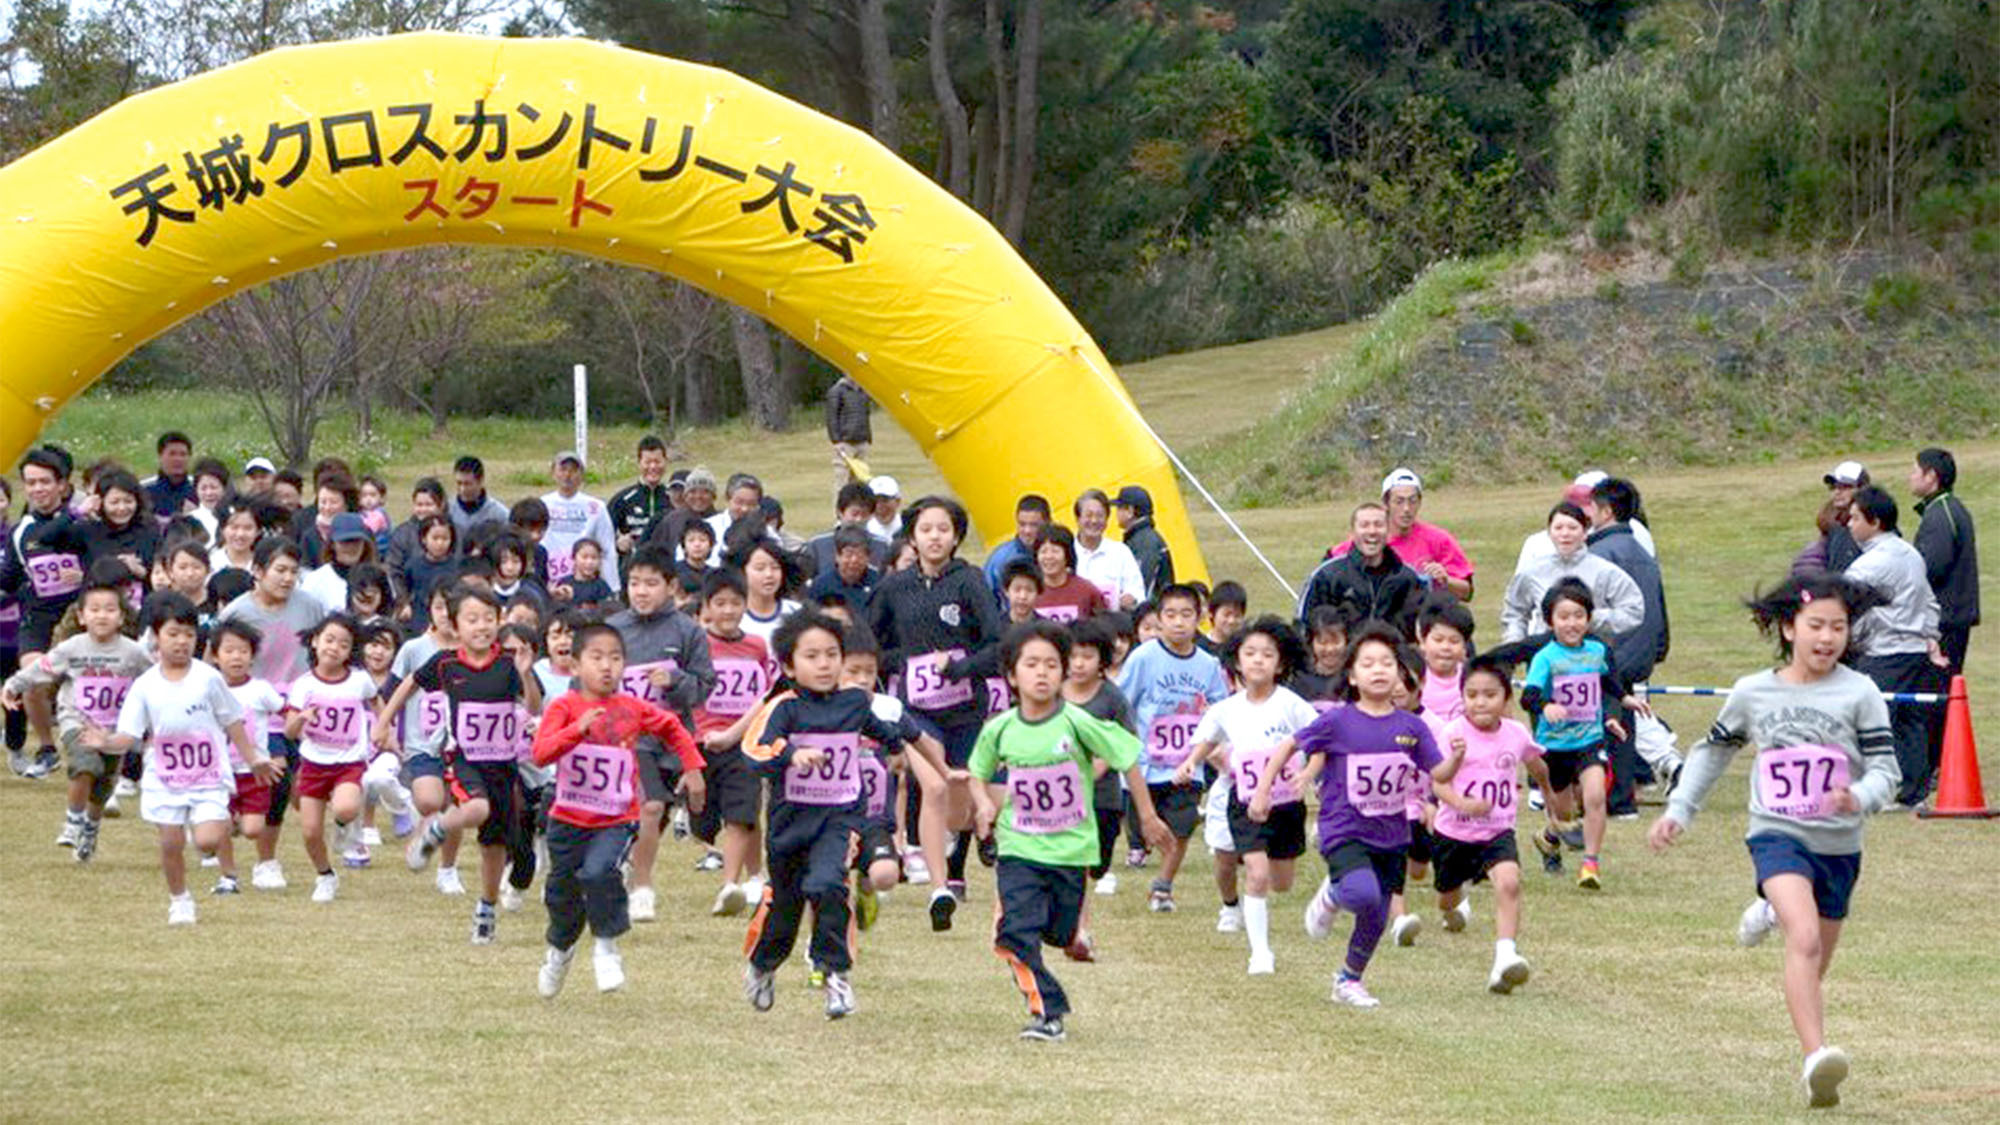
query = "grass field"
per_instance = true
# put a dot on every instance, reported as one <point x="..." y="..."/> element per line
<point x="1642" y="1006"/>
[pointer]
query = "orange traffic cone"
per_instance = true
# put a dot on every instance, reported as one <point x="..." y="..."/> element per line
<point x="1959" y="793"/>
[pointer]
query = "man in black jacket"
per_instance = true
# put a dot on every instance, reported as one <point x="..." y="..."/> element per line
<point x="1635" y="652"/>
<point x="637" y="507"/>
<point x="1134" y="506"/>
<point x="1951" y="552"/>
<point x="1369" y="581"/>
<point x="848" y="428"/>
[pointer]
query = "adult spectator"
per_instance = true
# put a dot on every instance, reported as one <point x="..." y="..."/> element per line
<point x="850" y="575"/>
<point x="634" y="508"/>
<point x="1635" y="653"/>
<point x="170" y="491"/>
<point x="698" y="504"/>
<point x="1135" y="520"/>
<point x="1896" y="643"/>
<point x="1620" y="609"/>
<point x="349" y="546"/>
<point x="1426" y="548"/>
<point x="848" y="428"/>
<point x="1537" y="547"/>
<point x="1065" y="597"/>
<point x="336" y="493"/>
<point x="1951" y="553"/>
<point x="1031" y="514"/>
<point x="1105" y="563"/>
<point x="575" y="515"/>
<point x="851" y="508"/>
<point x="1837" y="548"/>
<point x="258" y="474"/>
<point x="406" y="542"/>
<point x="885" y="524"/>
<point x="1367" y="581"/>
<point x="745" y="498"/>
<point x="472" y="506"/>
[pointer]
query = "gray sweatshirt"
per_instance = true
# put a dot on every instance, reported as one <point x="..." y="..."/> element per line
<point x="1620" y="608"/>
<point x="1843" y="712"/>
<point x="85" y="667"/>
<point x="669" y="635"/>
<point x="1910" y="621"/>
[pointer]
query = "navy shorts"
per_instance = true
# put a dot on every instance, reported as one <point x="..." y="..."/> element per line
<point x="1388" y="863"/>
<point x="1833" y="876"/>
<point x="1460" y="862"/>
<point x="1567" y="766"/>
<point x="423" y="765"/>
<point x="1179" y="806"/>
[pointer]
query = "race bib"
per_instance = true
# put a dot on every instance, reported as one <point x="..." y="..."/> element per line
<point x="739" y="684"/>
<point x="1799" y="781"/>
<point x="1488" y="783"/>
<point x="486" y="732"/>
<point x="596" y="780"/>
<point x="638" y="680"/>
<point x="1062" y="614"/>
<point x="99" y="697"/>
<point x="998" y="696"/>
<point x="187" y="760"/>
<point x="432" y="713"/>
<point x="562" y="567"/>
<point x="835" y="781"/>
<point x="928" y="689"/>
<point x="337" y="723"/>
<point x="874" y="786"/>
<point x="1380" y="784"/>
<point x="1247" y="769"/>
<point x="1581" y="696"/>
<point x="1170" y="738"/>
<point x="52" y="576"/>
<point x="1047" y="799"/>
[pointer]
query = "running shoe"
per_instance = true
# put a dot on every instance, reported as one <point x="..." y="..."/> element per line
<point x="555" y="968"/>
<point x="1825" y="1070"/>
<point x="1042" y="1029"/>
<point x="1351" y="992"/>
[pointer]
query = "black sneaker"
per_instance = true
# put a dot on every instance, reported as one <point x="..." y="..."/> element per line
<point x="1041" y="1029"/>
<point x="943" y="903"/>
<point x="485" y="924"/>
<point x="989" y="852"/>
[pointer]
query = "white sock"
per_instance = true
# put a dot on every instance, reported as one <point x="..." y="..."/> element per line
<point x="1257" y="923"/>
<point x="606" y="946"/>
<point x="1503" y="949"/>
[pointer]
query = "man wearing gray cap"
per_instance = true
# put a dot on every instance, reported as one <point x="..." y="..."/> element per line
<point x="574" y="516"/>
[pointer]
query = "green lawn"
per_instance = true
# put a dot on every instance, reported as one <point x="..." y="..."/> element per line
<point x="1642" y="1006"/>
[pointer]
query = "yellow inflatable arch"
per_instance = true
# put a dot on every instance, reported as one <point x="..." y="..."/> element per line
<point x="172" y="200"/>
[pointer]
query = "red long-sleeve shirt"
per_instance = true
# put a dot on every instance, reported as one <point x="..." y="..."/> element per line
<point x="625" y="718"/>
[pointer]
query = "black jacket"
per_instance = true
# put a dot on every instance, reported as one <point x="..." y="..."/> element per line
<point x="847" y="413"/>
<point x="637" y="506"/>
<point x="1639" y="650"/>
<point x="1951" y="559"/>
<point x="1156" y="562"/>
<point x="912" y="615"/>
<point x="1388" y="591"/>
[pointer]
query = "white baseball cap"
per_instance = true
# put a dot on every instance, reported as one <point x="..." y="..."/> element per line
<point x="885" y="487"/>
<point x="1401" y="478"/>
<point x="1846" y="474"/>
<point x="1590" y="478"/>
<point x="259" y="465"/>
<point x="568" y="455"/>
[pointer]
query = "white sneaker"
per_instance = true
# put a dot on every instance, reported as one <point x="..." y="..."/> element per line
<point x="1404" y="930"/>
<point x="1456" y="918"/>
<point x="268" y="875"/>
<point x="1108" y="885"/>
<point x="1756" y="924"/>
<point x="180" y="911"/>
<point x="753" y="891"/>
<point x="325" y="886"/>
<point x="211" y="861"/>
<point x="555" y="967"/>
<point x="728" y="901"/>
<point x="915" y="870"/>
<point x="111" y="808"/>
<point x="1509" y="973"/>
<point x="1353" y="994"/>
<point x="609" y="965"/>
<point x="839" y="996"/>
<point x="371" y="836"/>
<point x="1264" y="964"/>
<point x="1320" y="911"/>
<point x="510" y="899"/>
<point x="644" y="906"/>
<point x="126" y="788"/>
<point x="448" y="882"/>
<point x="1229" y="920"/>
<point x="1825" y="1069"/>
<point x="72" y="831"/>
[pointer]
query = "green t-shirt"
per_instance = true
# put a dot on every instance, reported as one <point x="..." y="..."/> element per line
<point x="1046" y="816"/>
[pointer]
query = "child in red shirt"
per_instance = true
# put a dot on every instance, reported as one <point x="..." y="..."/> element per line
<point x="590" y="734"/>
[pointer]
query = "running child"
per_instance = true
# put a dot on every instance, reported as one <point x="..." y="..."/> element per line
<point x="590" y="736"/>
<point x="1567" y="683"/>
<point x="425" y="721"/>
<point x="1037" y="756"/>
<point x="1093" y="645"/>
<point x="1319" y="682"/>
<point x="1825" y="761"/>
<point x="327" y="714"/>
<point x="1444" y="636"/>
<point x="184" y="713"/>
<point x="878" y="862"/>
<point x="810" y="750"/>
<point x="1228" y="609"/>
<point x="744" y="673"/>
<point x="232" y="649"/>
<point x="1250" y="724"/>
<point x="482" y="692"/>
<point x="519" y="642"/>
<point x="1374" y="752"/>
<point x="92" y="673"/>
<point x="1170" y="683"/>
<point x="586" y="589"/>
<point x="1474" y="828"/>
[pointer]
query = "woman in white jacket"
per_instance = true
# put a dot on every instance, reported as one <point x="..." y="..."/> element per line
<point x="1620" y="606"/>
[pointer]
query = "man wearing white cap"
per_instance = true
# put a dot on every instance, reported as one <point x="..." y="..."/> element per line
<point x="257" y="475"/>
<point x="884" y="523"/>
<point x="1842" y="483"/>
<point x="1537" y="548"/>
<point x="1426" y="548"/>
<point x="573" y="516"/>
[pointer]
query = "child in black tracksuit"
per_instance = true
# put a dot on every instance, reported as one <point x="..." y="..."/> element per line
<point x="810" y="749"/>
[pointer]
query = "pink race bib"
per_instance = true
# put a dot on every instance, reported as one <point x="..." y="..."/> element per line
<point x="874" y="786"/>
<point x="1062" y="614"/>
<point x="1170" y="738"/>
<point x="1581" y="696"/>
<point x="1380" y="784"/>
<point x="187" y="760"/>
<point x="336" y="724"/>
<point x="100" y="697"/>
<point x="1799" y="781"/>
<point x="999" y="696"/>
<point x="432" y="713"/>
<point x="1490" y="783"/>
<point x="52" y="576"/>
<point x="562" y="566"/>
<point x="638" y="680"/>
<point x="835" y="781"/>
<point x="596" y="780"/>
<point x="739" y="684"/>
<point x="928" y="689"/>
<point x="1047" y="799"/>
<point x="486" y="732"/>
<point x="1247" y="768"/>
